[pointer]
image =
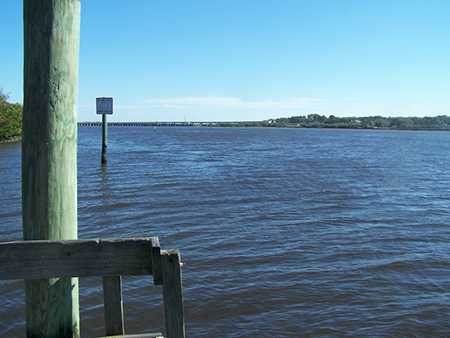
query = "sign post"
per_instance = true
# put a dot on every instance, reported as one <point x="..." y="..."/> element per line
<point x="104" y="107"/>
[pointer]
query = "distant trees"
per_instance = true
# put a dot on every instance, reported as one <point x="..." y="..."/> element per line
<point x="11" y="121"/>
<point x="10" y="117"/>
<point x="441" y="122"/>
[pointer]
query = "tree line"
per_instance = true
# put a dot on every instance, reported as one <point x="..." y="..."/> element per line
<point x="441" y="122"/>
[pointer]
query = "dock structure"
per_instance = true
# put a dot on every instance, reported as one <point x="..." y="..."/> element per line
<point x="107" y="258"/>
<point x="50" y="258"/>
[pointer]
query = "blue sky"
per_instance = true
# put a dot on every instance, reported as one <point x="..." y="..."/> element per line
<point x="230" y="60"/>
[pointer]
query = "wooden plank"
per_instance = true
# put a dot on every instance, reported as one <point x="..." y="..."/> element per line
<point x="139" y="335"/>
<point x="156" y="262"/>
<point x="76" y="258"/>
<point x="112" y="298"/>
<point x="172" y="294"/>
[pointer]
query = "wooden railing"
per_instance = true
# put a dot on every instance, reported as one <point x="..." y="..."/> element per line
<point x="109" y="258"/>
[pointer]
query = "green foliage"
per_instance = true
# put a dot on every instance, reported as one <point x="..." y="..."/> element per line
<point x="441" y="122"/>
<point x="3" y="97"/>
<point x="10" y="117"/>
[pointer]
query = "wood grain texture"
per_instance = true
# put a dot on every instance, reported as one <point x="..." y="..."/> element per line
<point x="156" y="262"/>
<point x="112" y="297"/>
<point x="172" y="294"/>
<point x="49" y="140"/>
<point x="49" y="154"/>
<point x="75" y="258"/>
<point x="110" y="258"/>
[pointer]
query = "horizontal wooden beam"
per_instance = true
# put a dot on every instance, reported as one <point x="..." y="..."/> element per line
<point x="141" y="335"/>
<point x="76" y="258"/>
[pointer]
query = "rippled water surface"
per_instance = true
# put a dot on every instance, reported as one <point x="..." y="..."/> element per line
<point x="284" y="232"/>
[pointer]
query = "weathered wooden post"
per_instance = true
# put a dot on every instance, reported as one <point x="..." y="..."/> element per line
<point x="49" y="154"/>
<point x="104" y="138"/>
<point x="104" y="107"/>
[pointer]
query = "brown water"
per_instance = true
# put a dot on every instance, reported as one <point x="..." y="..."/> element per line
<point x="285" y="233"/>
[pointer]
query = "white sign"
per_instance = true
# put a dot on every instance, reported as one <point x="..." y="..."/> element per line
<point x="104" y="105"/>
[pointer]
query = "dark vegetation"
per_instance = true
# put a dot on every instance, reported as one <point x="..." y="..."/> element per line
<point x="10" y="118"/>
<point x="441" y="122"/>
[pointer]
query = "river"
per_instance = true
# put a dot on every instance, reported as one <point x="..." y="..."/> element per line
<point x="284" y="232"/>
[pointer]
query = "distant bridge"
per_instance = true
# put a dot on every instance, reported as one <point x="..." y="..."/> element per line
<point x="144" y="124"/>
<point x="155" y="124"/>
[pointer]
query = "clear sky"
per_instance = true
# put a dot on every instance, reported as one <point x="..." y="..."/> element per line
<point x="241" y="60"/>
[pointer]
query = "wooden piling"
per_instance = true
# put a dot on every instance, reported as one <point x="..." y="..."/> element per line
<point x="49" y="155"/>
<point x="104" y="138"/>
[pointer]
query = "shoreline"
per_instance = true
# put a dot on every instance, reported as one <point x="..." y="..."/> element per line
<point x="247" y="125"/>
<point x="10" y="139"/>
